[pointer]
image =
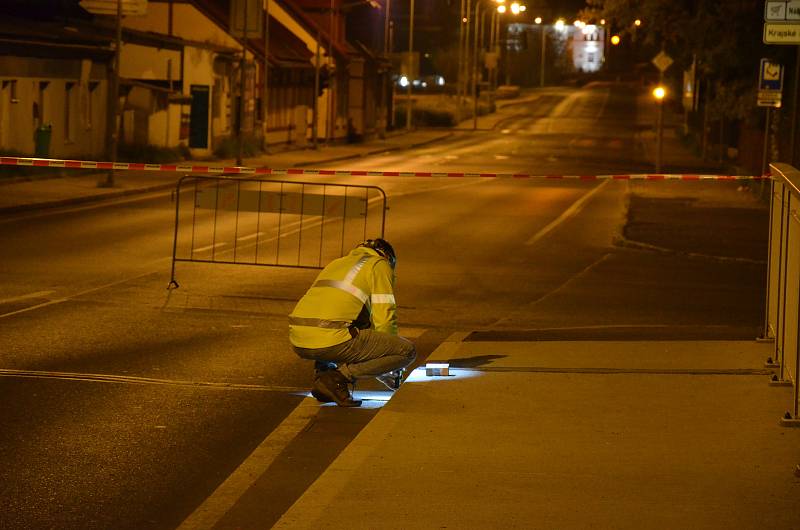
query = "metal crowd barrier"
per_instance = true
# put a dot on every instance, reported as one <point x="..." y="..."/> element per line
<point x="253" y="221"/>
<point x="782" y="315"/>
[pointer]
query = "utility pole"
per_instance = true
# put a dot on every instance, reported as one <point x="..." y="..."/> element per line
<point x="543" y="27"/>
<point x="478" y="26"/>
<point x="113" y="120"/>
<point x="315" y="112"/>
<point x="385" y="77"/>
<point x="410" y="65"/>
<point x="265" y="105"/>
<point x="242" y="80"/>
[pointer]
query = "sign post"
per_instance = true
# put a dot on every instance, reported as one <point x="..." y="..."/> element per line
<point x="770" y="90"/>
<point x="662" y="62"/>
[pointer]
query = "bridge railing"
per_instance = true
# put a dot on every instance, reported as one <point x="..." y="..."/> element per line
<point x="253" y="221"/>
<point x="782" y="315"/>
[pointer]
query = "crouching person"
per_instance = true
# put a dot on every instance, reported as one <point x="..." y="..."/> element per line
<point x="347" y="324"/>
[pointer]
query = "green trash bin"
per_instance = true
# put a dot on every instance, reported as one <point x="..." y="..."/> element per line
<point x="41" y="138"/>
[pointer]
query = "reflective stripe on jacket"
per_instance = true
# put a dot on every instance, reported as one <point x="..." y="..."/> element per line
<point x="362" y="281"/>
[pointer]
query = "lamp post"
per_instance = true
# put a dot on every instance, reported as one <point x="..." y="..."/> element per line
<point x="475" y="67"/>
<point x="659" y="93"/>
<point x="543" y="29"/>
<point x="461" y="81"/>
<point x="410" y="65"/>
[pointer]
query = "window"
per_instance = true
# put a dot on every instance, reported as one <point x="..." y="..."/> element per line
<point x="89" y="106"/>
<point x="39" y="106"/>
<point x="11" y="86"/>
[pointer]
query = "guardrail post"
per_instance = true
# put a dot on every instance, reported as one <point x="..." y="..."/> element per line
<point x="172" y="283"/>
<point x="765" y="335"/>
<point x="778" y="380"/>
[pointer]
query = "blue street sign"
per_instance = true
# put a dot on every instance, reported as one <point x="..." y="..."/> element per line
<point x="770" y="76"/>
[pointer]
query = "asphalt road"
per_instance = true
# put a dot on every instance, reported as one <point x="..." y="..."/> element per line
<point x="126" y="405"/>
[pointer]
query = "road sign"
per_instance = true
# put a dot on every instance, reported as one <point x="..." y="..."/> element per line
<point x="770" y="84"/>
<point x="781" y="11"/>
<point x="770" y="76"/>
<point x="768" y="99"/>
<point x="662" y="61"/>
<point x="781" y="33"/>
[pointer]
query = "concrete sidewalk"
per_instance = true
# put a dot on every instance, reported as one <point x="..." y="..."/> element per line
<point x="563" y="435"/>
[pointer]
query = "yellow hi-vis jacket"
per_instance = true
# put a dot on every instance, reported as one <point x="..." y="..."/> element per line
<point x="354" y="290"/>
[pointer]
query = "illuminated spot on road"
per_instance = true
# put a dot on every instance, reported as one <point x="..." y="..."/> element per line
<point x="506" y="131"/>
<point x="419" y="375"/>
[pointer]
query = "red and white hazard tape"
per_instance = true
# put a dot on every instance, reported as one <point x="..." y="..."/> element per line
<point x="239" y="170"/>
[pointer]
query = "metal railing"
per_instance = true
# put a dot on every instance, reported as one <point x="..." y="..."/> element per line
<point x="782" y="315"/>
<point x="252" y="221"/>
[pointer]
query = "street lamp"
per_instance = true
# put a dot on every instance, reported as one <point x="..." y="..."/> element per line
<point x="659" y="93"/>
<point x="410" y="64"/>
<point x="615" y="40"/>
<point x="543" y="30"/>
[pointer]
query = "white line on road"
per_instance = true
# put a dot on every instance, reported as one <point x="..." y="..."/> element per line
<point x="129" y="379"/>
<point x="251" y="236"/>
<point x="87" y="291"/>
<point x="229" y="492"/>
<point x="39" y="294"/>
<point x="209" y="247"/>
<point x="570" y="212"/>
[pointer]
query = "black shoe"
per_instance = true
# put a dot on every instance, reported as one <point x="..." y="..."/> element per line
<point x="391" y="380"/>
<point x="332" y="385"/>
<point x="320" y="397"/>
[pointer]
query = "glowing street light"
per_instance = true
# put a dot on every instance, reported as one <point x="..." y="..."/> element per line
<point x="501" y="8"/>
<point x="515" y="8"/>
<point x="560" y="24"/>
<point x="615" y="40"/>
<point x="637" y="22"/>
<point x="538" y="20"/>
<point x="659" y="92"/>
<point x="602" y="22"/>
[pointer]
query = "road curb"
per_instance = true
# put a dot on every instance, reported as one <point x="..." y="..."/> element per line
<point x="376" y="151"/>
<point x="84" y="199"/>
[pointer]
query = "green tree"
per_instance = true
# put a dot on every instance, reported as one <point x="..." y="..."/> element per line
<point x="724" y="38"/>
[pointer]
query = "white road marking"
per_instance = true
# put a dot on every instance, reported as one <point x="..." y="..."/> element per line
<point x="251" y="236"/>
<point x="129" y="379"/>
<point x="39" y="294"/>
<point x="569" y="212"/>
<point x="229" y="492"/>
<point x="87" y="291"/>
<point x="209" y="247"/>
